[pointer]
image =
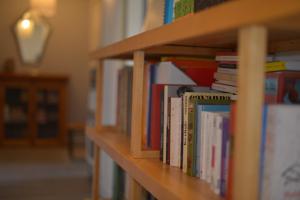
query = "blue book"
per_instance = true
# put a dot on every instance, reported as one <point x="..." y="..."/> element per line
<point x="168" y="18"/>
<point x="199" y="109"/>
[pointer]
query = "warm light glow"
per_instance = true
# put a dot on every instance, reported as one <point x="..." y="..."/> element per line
<point x="25" y="27"/>
<point x="25" y="24"/>
<point x="46" y="7"/>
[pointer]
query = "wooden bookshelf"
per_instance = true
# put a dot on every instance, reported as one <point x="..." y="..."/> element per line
<point x="216" y="27"/>
<point x="253" y="28"/>
<point x="162" y="181"/>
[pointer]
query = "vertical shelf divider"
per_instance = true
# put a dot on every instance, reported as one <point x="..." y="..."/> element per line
<point x="137" y="104"/>
<point x="139" y="108"/>
<point x="252" y="43"/>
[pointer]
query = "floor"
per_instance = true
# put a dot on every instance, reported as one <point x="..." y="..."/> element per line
<point x="42" y="174"/>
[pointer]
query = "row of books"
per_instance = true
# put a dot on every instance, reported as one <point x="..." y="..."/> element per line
<point x="175" y="9"/>
<point x="190" y="124"/>
<point x="282" y="82"/>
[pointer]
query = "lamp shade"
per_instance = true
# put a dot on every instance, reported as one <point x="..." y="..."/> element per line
<point x="46" y="7"/>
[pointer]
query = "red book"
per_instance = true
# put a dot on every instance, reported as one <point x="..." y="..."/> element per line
<point x="200" y="71"/>
<point x="229" y="194"/>
<point x="155" y="121"/>
<point x="283" y="87"/>
<point x="201" y="76"/>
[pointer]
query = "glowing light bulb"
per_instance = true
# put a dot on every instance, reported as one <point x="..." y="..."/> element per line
<point x="25" y="23"/>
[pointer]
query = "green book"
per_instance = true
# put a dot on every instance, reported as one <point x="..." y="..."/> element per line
<point x="190" y="100"/>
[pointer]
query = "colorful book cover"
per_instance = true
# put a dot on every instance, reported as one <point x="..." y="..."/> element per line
<point x="281" y="164"/>
<point x="282" y="87"/>
<point x="190" y="99"/>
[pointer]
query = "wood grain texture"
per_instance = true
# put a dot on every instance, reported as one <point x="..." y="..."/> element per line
<point x="96" y="174"/>
<point x="214" y="27"/>
<point x="163" y="181"/>
<point x="137" y="104"/>
<point x="252" y="55"/>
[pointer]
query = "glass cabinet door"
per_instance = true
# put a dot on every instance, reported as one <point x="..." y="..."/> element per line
<point x="47" y="113"/>
<point x="16" y="113"/>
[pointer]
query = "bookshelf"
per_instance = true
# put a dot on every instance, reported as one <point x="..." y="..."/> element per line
<point x="254" y="28"/>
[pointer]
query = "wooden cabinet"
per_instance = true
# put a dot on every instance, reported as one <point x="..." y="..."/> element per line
<point x="33" y="109"/>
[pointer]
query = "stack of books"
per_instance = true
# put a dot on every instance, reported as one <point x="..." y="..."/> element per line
<point x="226" y="75"/>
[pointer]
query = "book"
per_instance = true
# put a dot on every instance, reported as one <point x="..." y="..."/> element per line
<point x="175" y="131"/>
<point x="155" y="127"/>
<point x="183" y="7"/>
<point x="174" y="91"/>
<point x="203" y="4"/>
<point x="282" y="87"/>
<point x="281" y="163"/>
<point x="158" y="73"/>
<point x="217" y="148"/>
<point x="224" y="88"/>
<point x="169" y="9"/>
<point x="225" y="76"/>
<point x="200" y="71"/>
<point x="190" y="99"/>
<point x="225" y="156"/>
<point x="125" y="78"/>
<point x="199" y="136"/>
<point x="227" y="70"/>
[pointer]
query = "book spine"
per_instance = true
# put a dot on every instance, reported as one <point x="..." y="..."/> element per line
<point x="198" y="139"/>
<point x="165" y="119"/>
<point x="224" y="156"/>
<point x="175" y="132"/>
<point x="209" y="147"/>
<point x="191" y="139"/>
<point x="218" y="144"/>
<point x="168" y="131"/>
<point x="161" y="154"/>
<point x="185" y="132"/>
<point x="204" y="127"/>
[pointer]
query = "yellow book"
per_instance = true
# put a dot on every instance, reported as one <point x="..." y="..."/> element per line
<point x="275" y="66"/>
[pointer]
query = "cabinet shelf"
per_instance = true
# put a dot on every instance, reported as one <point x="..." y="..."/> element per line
<point x="214" y="28"/>
<point x="163" y="181"/>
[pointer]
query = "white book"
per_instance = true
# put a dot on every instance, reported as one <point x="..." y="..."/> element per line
<point x="209" y="139"/>
<point x="217" y="146"/>
<point x="203" y="148"/>
<point x="227" y="70"/>
<point x="175" y="131"/>
<point x="281" y="161"/>
<point x="224" y="88"/>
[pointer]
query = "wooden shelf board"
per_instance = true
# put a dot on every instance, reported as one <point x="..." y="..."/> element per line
<point x="215" y="27"/>
<point x="162" y="181"/>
